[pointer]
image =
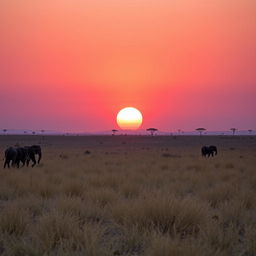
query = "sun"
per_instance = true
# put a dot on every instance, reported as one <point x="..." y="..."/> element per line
<point x="129" y="118"/>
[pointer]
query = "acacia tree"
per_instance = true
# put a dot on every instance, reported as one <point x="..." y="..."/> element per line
<point x="233" y="130"/>
<point x="200" y="130"/>
<point x="152" y="131"/>
<point x="114" y="131"/>
<point x="5" y="131"/>
<point x="250" y="131"/>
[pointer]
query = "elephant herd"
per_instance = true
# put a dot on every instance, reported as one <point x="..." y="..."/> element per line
<point x="23" y="155"/>
<point x="17" y="155"/>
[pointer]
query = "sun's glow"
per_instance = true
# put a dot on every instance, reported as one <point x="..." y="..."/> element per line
<point x="129" y="118"/>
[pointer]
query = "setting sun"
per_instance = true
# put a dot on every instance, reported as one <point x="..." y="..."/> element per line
<point x="129" y="118"/>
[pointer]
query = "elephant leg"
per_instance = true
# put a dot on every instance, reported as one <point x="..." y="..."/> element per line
<point x="34" y="163"/>
<point x="39" y="158"/>
<point x="27" y="162"/>
<point x="7" y="162"/>
<point x="14" y="162"/>
<point x="32" y="157"/>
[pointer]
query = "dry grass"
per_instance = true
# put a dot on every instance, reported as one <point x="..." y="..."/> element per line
<point x="144" y="196"/>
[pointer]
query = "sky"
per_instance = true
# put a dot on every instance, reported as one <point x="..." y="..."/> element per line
<point x="71" y="65"/>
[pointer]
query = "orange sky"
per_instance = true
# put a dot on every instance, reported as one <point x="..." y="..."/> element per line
<point x="73" y="64"/>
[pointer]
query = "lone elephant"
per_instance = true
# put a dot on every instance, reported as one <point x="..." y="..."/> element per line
<point x="209" y="151"/>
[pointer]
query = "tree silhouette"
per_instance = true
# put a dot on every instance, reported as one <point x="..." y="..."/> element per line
<point x="33" y="133"/>
<point x="152" y="131"/>
<point x="250" y="131"/>
<point x="5" y="131"/>
<point x="233" y="130"/>
<point x="114" y="131"/>
<point x="200" y="130"/>
<point x="179" y="131"/>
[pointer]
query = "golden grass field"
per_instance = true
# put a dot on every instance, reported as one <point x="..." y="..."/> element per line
<point x="132" y="195"/>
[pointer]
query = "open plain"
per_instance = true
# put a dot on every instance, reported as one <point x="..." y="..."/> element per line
<point x="130" y="195"/>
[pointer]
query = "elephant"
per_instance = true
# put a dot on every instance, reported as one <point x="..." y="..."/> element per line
<point x="22" y="156"/>
<point x="10" y="156"/>
<point x="32" y="151"/>
<point x="209" y="151"/>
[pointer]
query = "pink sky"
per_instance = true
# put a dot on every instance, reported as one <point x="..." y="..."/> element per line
<point x="72" y="65"/>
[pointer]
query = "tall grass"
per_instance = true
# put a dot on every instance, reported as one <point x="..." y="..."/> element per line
<point x="128" y="199"/>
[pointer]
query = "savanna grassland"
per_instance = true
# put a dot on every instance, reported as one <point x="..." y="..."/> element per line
<point x="130" y="195"/>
